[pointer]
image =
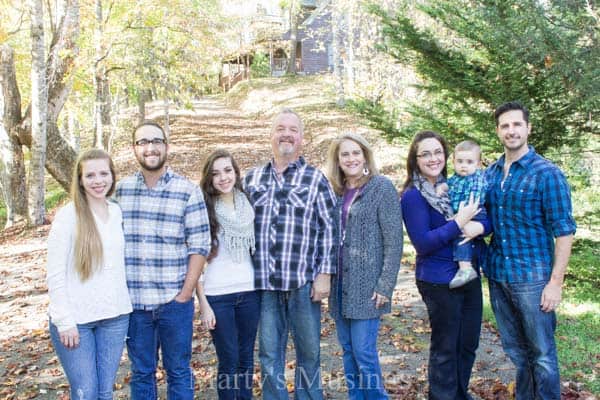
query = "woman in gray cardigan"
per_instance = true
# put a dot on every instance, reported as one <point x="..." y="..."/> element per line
<point x="368" y="223"/>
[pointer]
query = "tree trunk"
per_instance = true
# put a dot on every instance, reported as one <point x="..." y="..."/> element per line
<point x="12" y="164"/>
<point x="350" y="46"/>
<point x="101" y="86"/>
<point x="114" y="119"/>
<point x="12" y="178"/>
<point x="72" y="130"/>
<point x="63" y="50"/>
<point x="294" y="11"/>
<point x="337" y="46"/>
<point x="247" y="69"/>
<point x="141" y="106"/>
<point x="167" y="123"/>
<point x="39" y="111"/>
<point x="101" y="110"/>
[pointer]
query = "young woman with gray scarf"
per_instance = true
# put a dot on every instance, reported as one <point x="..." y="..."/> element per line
<point x="229" y="305"/>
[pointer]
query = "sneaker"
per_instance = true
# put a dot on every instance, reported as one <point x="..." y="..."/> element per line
<point x="462" y="277"/>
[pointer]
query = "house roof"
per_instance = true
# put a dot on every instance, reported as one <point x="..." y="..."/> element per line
<point x="316" y="13"/>
<point x="322" y="9"/>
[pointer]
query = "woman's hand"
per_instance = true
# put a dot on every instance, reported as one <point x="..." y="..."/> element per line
<point x="380" y="300"/>
<point x="70" y="338"/>
<point x="207" y="316"/>
<point x="467" y="211"/>
<point x="471" y="230"/>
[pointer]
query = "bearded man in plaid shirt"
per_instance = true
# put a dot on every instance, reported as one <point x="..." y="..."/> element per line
<point x="293" y="260"/>
<point x="529" y="203"/>
<point x="167" y="239"/>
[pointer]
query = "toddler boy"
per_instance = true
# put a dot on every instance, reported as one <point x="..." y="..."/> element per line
<point x="468" y="179"/>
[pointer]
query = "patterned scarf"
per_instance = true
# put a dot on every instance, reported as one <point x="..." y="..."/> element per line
<point x="237" y="229"/>
<point x="441" y="203"/>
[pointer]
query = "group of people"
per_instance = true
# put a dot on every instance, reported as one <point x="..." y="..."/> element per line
<point x="262" y="251"/>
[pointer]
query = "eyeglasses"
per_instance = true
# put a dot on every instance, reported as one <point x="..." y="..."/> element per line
<point x="427" y="155"/>
<point x="146" y="142"/>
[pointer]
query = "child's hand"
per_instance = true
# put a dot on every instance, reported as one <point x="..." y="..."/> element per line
<point x="441" y="189"/>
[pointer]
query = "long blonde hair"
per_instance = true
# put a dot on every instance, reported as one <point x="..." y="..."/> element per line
<point x="88" y="252"/>
<point x="334" y="172"/>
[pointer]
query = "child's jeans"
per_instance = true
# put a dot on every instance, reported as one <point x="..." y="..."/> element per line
<point x="464" y="252"/>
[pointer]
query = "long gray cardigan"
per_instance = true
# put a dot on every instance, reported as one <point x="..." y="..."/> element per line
<point x="371" y="252"/>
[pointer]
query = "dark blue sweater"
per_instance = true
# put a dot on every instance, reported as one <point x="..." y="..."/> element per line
<point x="432" y="237"/>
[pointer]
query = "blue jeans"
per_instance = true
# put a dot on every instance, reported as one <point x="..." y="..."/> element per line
<point x="527" y="335"/>
<point x="472" y="249"/>
<point x="358" y="338"/>
<point x="237" y="317"/>
<point x="91" y="367"/>
<point x="455" y="320"/>
<point x="282" y="312"/>
<point x="170" y="327"/>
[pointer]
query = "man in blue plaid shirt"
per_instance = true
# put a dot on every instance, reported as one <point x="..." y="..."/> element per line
<point x="292" y="202"/>
<point x="166" y="241"/>
<point x="529" y="203"/>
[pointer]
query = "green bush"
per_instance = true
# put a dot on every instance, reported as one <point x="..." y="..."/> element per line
<point x="583" y="275"/>
<point x="260" y="67"/>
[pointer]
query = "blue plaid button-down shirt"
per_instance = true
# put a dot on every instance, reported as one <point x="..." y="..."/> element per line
<point x="293" y="225"/>
<point x="461" y="188"/>
<point x="163" y="225"/>
<point x="528" y="210"/>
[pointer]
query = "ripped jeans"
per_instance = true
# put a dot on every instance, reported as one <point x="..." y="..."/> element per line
<point x="91" y="367"/>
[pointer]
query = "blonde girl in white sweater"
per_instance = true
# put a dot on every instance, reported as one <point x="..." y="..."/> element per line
<point x="89" y="302"/>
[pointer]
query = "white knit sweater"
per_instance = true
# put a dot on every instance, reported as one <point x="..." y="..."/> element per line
<point x="103" y="295"/>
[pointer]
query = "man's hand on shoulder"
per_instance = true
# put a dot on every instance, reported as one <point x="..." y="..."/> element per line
<point x="320" y="288"/>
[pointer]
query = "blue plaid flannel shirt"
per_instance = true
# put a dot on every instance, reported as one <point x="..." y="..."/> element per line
<point x="461" y="187"/>
<point x="293" y="225"/>
<point x="162" y="226"/>
<point x="530" y="209"/>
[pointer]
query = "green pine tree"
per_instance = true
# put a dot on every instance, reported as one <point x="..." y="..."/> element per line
<point x="475" y="55"/>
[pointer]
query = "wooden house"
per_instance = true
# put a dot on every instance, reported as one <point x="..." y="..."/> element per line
<point x="270" y="34"/>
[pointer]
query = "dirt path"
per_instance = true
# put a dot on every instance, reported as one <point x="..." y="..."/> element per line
<point x="29" y="369"/>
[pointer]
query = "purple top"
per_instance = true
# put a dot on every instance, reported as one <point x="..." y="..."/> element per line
<point x="432" y="237"/>
<point x="348" y="198"/>
<point x="347" y="202"/>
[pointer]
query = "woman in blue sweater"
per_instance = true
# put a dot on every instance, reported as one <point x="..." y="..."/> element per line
<point x="454" y="315"/>
<point x="368" y="222"/>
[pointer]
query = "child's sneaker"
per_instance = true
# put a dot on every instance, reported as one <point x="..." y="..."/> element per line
<point x="462" y="277"/>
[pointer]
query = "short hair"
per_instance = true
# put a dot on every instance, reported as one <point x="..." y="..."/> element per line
<point x="287" y="110"/>
<point x="510" y="106"/>
<point x="148" y="122"/>
<point x="334" y="172"/>
<point x="468" y="145"/>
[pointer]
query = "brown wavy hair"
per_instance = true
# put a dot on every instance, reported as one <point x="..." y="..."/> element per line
<point x="211" y="194"/>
